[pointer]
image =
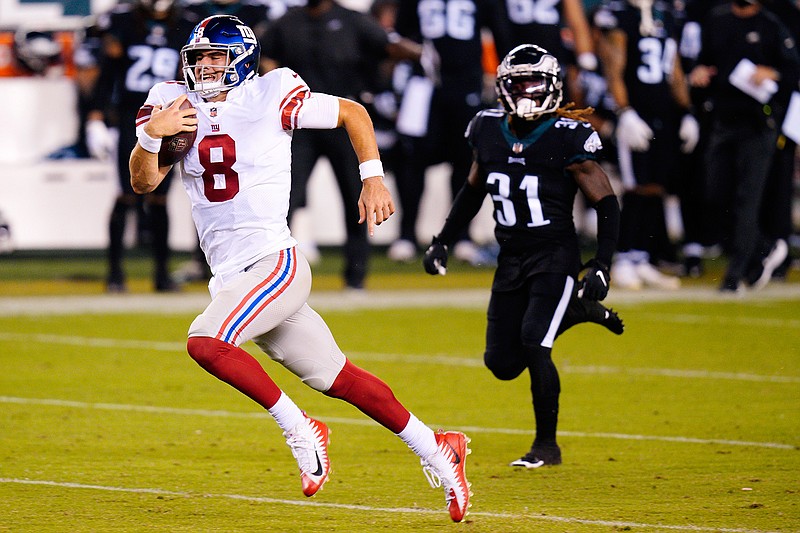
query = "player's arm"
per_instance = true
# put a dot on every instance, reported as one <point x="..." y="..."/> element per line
<point x="375" y="204"/>
<point x="465" y="206"/>
<point x="611" y="49"/>
<point x="146" y="175"/>
<point x="575" y="17"/>
<point x="99" y="140"/>
<point x="594" y="184"/>
<point x="632" y="131"/>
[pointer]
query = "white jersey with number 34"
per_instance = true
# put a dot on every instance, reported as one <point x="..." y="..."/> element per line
<point x="238" y="173"/>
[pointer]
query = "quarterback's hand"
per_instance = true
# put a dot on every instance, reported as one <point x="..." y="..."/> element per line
<point x="375" y="204"/>
<point x="594" y="285"/>
<point x="169" y="120"/>
<point x="632" y="131"/>
<point x="435" y="259"/>
<point x="99" y="140"/>
<point x="689" y="133"/>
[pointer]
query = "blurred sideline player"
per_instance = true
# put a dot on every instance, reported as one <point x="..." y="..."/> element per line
<point x="640" y="60"/>
<point x="238" y="177"/>
<point x="339" y="60"/>
<point x="436" y="109"/>
<point x="140" y="47"/>
<point x="532" y="158"/>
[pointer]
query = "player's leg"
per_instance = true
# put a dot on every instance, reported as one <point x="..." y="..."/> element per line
<point x="248" y="304"/>
<point x="504" y="355"/>
<point x="125" y="201"/>
<point x="115" y="281"/>
<point x="581" y="310"/>
<point x="304" y="344"/>
<point x="339" y="151"/>
<point x="410" y="183"/>
<point x="304" y="158"/>
<point x="549" y="296"/>
<point x="159" y="233"/>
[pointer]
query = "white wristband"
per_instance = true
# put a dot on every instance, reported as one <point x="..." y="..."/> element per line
<point x="370" y="169"/>
<point x="148" y="143"/>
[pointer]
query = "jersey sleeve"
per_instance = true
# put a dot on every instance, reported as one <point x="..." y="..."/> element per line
<point x="293" y="93"/>
<point x="586" y="143"/>
<point x="300" y="108"/>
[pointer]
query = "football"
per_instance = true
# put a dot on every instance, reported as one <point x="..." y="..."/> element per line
<point x="175" y="147"/>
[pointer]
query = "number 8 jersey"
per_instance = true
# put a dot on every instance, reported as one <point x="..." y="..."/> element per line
<point x="532" y="192"/>
<point x="238" y="173"/>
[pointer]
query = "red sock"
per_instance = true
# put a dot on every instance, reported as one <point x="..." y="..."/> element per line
<point x="371" y="396"/>
<point x="235" y="367"/>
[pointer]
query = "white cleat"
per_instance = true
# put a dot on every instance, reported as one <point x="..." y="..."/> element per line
<point x="447" y="468"/>
<point x="309" y="441"/>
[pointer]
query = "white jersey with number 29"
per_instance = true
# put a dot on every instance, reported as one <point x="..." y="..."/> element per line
<point x="238" y="173"/>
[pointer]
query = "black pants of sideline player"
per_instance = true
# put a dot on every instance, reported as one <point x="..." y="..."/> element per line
<point x="738" y="161"/>
<point x="307" y="147"/>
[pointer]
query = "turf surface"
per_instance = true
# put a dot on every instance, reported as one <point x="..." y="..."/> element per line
<point x="689" y="421"/>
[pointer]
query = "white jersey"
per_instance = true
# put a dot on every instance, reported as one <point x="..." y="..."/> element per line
<point x="238" y="173"/>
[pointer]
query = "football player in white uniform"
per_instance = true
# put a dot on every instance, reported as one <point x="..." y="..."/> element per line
<point x="237" y="175"/>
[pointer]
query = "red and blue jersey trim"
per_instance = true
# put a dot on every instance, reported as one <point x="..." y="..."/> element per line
<point x="255" y="301"/>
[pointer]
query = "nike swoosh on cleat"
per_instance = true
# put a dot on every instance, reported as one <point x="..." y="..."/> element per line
<point x="602" y="277"/>
<point x="319" y="466"/>
<point x="458" y="457"/>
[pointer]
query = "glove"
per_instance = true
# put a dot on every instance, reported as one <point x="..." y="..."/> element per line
<point x="633" y="132"/>
<point x="587" y="61"/>
<point x="435" y="258"/>
<point x="594" y="285"/>
<point x="99" y="139"/>
<point x="689" y="133"/>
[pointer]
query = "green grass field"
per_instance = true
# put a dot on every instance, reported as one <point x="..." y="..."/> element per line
<point x="689" y="421"/>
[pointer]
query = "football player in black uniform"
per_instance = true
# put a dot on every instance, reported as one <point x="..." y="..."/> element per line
<point x="453" y="28"/>
<point x="140" y="47"/>
<point x="640" y="60"/>
<point x="532" y="158"/>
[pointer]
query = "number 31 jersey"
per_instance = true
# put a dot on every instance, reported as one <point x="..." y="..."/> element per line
<point x="532" y="192"/>
<point x="238" y="173"/>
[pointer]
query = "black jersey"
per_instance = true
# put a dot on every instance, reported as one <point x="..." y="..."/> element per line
<point x="454" y="27"/>
<point x="532" y="192"/>
<point x="331" y="51"/>
<point x="150" y="54"/>
<point x="650" y="57"/>
<point x="252" y="13"/>
<point x="538" y="22"/>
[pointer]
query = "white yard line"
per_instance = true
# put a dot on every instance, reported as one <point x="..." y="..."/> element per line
<point x="345" y="300"/>
<point x="372" y="509"/>
<point x="54" y="402"/>
<point x="416" y="359"/>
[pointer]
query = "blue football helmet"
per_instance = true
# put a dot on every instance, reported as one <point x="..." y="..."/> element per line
<point x="230" y="35"/>
<point x="529" y="82"/>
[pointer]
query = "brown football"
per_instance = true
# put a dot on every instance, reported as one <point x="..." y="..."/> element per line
<point x="175" y="147"/>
